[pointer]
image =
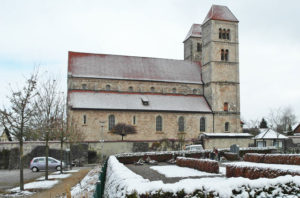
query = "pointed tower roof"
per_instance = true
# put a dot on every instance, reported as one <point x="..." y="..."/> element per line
<point x="195" y="31"/>
<point x="222" y="13"/>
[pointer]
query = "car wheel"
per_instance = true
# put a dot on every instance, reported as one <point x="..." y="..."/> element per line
<point x="35" y="169"/>
<point x="58" y="168"/>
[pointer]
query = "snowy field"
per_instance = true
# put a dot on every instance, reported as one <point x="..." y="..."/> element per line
<point x="176" y="171"/>
<point x="120" y="181"/>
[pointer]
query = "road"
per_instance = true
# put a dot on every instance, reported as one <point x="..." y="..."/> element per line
<point x="11" y="178"/>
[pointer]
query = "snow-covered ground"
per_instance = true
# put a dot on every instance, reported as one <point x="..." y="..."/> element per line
<point x="54" y="176"/>
<point x="121" y="181"/>
<point x="176" y="171"/>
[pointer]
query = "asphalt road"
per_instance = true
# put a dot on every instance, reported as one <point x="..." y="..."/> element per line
<point x="11" y="178"/>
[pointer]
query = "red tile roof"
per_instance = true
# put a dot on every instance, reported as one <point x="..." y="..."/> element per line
<point x="195" y="31"/>
<point x="222" y="13"/>
<point x="133" y="68"/>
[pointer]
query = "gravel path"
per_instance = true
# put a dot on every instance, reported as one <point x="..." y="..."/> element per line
<point x="153" y="175"/>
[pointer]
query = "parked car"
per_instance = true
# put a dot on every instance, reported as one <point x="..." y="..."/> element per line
<point x="195" y="147"/>
<point x="39" y="163"/>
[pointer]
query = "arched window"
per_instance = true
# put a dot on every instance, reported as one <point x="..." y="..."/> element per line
<point x="107" y="87"/>
<point x="199" y="47"/>
<point x="202" y="124"/>
<point x="225" y="106"/>
<point x="224" y="34"/>
<point x="220" y="33"/>
<point x="84" y="86"/>
<point x="174" y="90"/>
<point x="181" y="124"/>
<point x="158" y="123"/>
<point x="134" y="120"/>
<point x="130" y="88"/>
<point x="194" y="91"/>
<point x="111" y="122"/>
<point x="84" y="119"/>
<point x="228" y="34"/>
<point x="152" y="89"/>
<point x="222" y="54"/>
<point x="226" y="55"/>
<point x="226" y="126"/>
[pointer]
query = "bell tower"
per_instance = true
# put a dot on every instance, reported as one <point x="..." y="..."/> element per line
<point x="220" y="68"/>
<point x="193" y="44"/>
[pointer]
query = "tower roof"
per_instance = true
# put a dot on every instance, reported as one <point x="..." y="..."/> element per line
<point x="222" y="13"/>
<point x="195" y="31"/>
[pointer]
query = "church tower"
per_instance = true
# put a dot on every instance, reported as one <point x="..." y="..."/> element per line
<point x="220" y="68"/>
<point x="193" y="44"/>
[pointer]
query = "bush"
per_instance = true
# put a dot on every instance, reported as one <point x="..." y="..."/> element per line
<point x="206" y="165"/>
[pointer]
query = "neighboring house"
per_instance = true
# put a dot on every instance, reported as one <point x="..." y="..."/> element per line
<point x="269" y="137"/>
<point x="162" y="98"/>
<point x="296" y="129"/>
<point x="4" y="135"/>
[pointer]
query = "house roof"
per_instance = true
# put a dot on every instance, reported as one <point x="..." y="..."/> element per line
<point x="195" y="31"/>
<point x="221" y="13"/>
<point x="130" y="101"/>
<point x="269" y="134"/>
<point x="133" y="68"/>
<point x="295" y="126"/>
<point x="228" y="135"/>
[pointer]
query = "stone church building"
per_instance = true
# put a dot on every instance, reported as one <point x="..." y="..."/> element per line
<point x="162" y="98"/>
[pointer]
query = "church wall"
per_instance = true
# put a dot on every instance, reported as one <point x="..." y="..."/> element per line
<point x="190" y="49"/>
<point x="232" y="118"/>
<point x="96" y="127"/>
<point x="137" y="86"/>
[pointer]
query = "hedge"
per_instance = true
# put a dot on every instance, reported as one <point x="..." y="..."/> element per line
<point x="273" y="158"/>
<point x="206" y="165"/>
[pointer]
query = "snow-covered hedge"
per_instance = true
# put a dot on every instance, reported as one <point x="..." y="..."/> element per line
<point x="206" y="165"/>
<point x="259" y="170"/>
<point x="293" y="159"/>
<point x="121" y="183"/>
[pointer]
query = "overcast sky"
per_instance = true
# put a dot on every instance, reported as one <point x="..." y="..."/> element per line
<point x="42" y="32"/>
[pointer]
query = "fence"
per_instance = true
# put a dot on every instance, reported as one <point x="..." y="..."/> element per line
<point x="100" y="185"/>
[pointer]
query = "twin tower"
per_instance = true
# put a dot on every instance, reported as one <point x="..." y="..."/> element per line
<point x="215" y="44"/>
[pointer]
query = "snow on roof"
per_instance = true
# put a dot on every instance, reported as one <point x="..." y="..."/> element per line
<point x="222" y="13"/>
<point x="195" y="31"/>
<point x="133" y="68"/>
<point x="1" y="130"/>
<point x="125" y="101"/>
<point x="269" y="134"/>
<point x="295" y="126"/>
<point x="227" y="134"/>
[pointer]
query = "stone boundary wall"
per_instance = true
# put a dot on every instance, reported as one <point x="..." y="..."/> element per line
<point x="210" y="166"/>
<point x="291" y="159"/>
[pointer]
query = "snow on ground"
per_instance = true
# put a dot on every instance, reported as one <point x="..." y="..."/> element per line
<point x="87" y="185"/>
<point x="68" y="171"/>
<point x="54" y="177"/>
<point x="281" y="167"/>
<point x="222" y="170"/>
<point x="37" y="185"/>
<point x="121" y="181"/>
<point x="177" y="171"/>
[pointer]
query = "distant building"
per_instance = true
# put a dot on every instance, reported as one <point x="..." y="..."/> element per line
<point x="296" y="129"/>
<point x="269" y="137"/>
<point x="163" y="98"/>
<point x="4" y="135"/>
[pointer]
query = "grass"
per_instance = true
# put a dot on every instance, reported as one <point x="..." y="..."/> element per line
<point x="64" y="186"/>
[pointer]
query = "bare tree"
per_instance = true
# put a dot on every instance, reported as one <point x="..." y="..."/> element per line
<point x="17" y="117"/>
<point x="281" y="119"/>
<point x="48" y="106"/>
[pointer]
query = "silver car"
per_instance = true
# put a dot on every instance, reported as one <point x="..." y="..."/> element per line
<point x="39" y="163"/>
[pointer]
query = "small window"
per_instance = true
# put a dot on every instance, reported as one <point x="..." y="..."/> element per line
<point x="130" y="88"/>
<point x="181" y="124"/>
<point x="107" y="87"/>
<point x="224" y="34"/>
<point x="174" y="90"/>
<point x="228" y="34"/>
<point x="199" y="47"/>
<point x="152" y="89"/>
<point x="111" y="122"/>
<point x="84" y="86"/>
<point x="226" y="55"/>
<point x="220" y="33"/>
<point x="194" y="91"/>
<point x="42" y="160"/>
<point x="225" y="106"/>
<point x="84" y="119"/>
<point x="158" y="123"/>
<point x="36" y="160"/>
<point x="227" y="126"/>
<point x="134" y="120"/>
<point x="222" y="54"/>
<point x="202" y="124"/>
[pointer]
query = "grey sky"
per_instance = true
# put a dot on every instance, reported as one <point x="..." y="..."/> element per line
<point x="42" y="32"/>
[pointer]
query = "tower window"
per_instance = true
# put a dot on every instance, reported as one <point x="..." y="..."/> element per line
<point x="152" y="89"/>
<point x="181" y="124"/>
<point x="224" y="34"/>
<point x="84" y="119"/>
<point x="228" y="34"/>
<point x="222" y="54"/>
<point x="225" y="106"/>
<point x="111" y="122"/>
<point x="226" y="55"/>
<point x="107" y="87"/>
<point x="158" y="123"/>
<point x="220" y="33"/>
<point x="226" y="126"/>
<point x="130" y="88"/>
<point x="199" y="47"/>
<point x="202" y="124"/>
<point x="174" y="90"/>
